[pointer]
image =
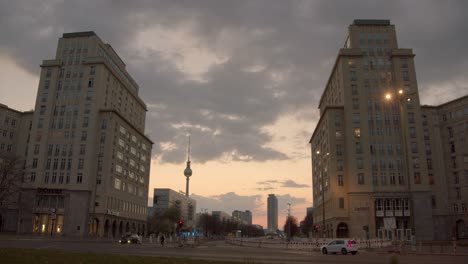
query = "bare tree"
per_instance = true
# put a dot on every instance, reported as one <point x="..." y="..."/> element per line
<point x="11" y="176"/>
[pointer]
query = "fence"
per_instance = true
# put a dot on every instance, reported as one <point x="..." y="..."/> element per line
<point x="310" y="245"/>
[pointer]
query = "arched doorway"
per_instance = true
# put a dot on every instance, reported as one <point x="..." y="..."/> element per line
<point x="133" y="228"/>
<point x="95" y="226"/>
<point x="114" y="228"/>
<point x="460" y="229"/>
<point x="127" y="227"/>
<point x="106" y="228"/>
<point x="342" y="230"/>
<point x="121" y="228"/>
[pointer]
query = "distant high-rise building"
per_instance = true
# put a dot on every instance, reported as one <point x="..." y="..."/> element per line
<point x="272" y="213"/>
<point x="88" y="159"/>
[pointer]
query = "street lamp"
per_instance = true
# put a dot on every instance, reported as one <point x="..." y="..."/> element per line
<point x="401" y="98"/>
<point x="323" y="192"/>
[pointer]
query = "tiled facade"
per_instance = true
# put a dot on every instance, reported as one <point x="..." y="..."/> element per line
<point x="368" y="173"/>
<point x="88" y="159"/>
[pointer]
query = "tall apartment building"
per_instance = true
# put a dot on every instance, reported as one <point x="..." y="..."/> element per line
<point x="88" y="162"/>
<point x="272" y="213"/>
<point x="242" y="217"/>
<point x="14" y="136"/>
<point x="164" y="198"/>
<point x="368" y="173"/>
<point x="445" y="132"/>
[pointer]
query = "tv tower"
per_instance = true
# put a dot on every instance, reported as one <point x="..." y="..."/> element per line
<point x="188" y="171"/>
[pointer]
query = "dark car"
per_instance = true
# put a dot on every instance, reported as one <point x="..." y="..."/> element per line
<point x="130" y="239"/>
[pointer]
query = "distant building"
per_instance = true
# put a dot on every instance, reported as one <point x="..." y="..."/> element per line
<point x="272" y="213"/>
<point x="242" y="217"/>
<point x="309" y="211"/>
<point x="165" y="198"/>
<point x="220" y="215"/>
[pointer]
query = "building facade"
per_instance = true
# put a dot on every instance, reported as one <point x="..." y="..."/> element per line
<point x="368" y="175"/>
<point x="164" y="198"/>
<point x="14" y="136"/>
<point x="88" y="157"/>
<point x="272" y="213"/>
<point x="445" y="133"/>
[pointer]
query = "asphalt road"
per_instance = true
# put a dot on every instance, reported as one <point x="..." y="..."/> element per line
<point x="218" y="250"/>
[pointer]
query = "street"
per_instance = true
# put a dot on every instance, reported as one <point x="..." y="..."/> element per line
<point x="217" y="250"/>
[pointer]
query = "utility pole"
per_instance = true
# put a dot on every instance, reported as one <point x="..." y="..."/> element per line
<point x="289" y="221"/>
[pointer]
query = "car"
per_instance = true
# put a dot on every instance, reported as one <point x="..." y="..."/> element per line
<point x="130" y="239"/>
<point x="343" y="246"/>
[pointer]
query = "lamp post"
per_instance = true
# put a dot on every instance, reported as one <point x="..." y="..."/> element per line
<point x="323" y="192"/>
<point x="401" y="98"/>
<point x="289" y="221"/>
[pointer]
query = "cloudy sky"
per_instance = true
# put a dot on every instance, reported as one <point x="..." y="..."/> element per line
<point x="243" y="77"/>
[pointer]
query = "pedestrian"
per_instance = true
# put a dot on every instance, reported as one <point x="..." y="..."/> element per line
<point x="161" y="239"/>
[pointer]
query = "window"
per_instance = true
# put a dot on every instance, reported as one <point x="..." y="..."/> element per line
<point x="92" y="70"/>
<point x="405" y="75"/>
<point x="417" y="178"/>
<point x="431" y="178"/>
<point x="457" y="191"/>
<point x="361" y="178"/>
<point x="357" y="132"/>
<point x="117" y="184"/>
<point x="79" y="178"/>
<point x="383" y="178"/>
<point x="339" y="165"/>
<point x="416" y="163"/>
<point x="375" y="179"/>
<point x="456" y="179"/>
<point x="412" y="131"/>
<point x="46" y="177"/>
<point x="455" y="208"/>
<point x="360" y="163"/>
<point x="90" y="82"/>
<point x="84" y="135"/>
<point x="356" y="118"/>
<point x="34" y="163"/>
<point x="33" y="176"/>
<point x="392" y="178"/>
<point x="414" y="147"/>
<point x="340" y="180"/>
<point x="339" y="150"/>
<point x="352" y="75"/>
<point x="80" y="164"/>
<point x="429" y="164"/>
<point x="355" y="103"/>
<point x="82" y="149"/>
<point x="358" y="147"/>
<point x="337" y="123"/>
<point x="433" y="201"/>
<point x="341" y="203"/>
<point x="354" y="90"/>
<point x="54" y="177"/>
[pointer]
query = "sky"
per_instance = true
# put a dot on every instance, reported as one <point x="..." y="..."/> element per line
<point x="244" y="78"/>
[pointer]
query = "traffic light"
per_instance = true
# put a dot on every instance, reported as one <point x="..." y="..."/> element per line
<point x="316" y="228"/>
<point x="180" y="223"/>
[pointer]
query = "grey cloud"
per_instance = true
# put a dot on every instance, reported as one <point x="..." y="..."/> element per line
<point x="293" y="184"/>
<point x="292" y="40"/>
